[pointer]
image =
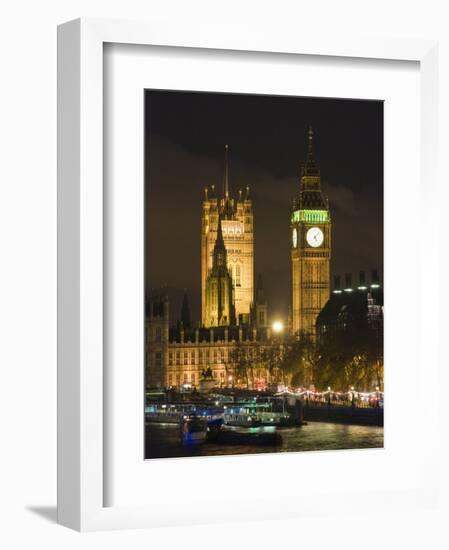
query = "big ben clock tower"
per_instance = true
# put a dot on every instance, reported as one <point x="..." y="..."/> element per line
<point x="310" y="247"/>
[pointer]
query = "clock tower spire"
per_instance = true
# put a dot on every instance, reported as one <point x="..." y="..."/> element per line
<point x="310" y="246"/>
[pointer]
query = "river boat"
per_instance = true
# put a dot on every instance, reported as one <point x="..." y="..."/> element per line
<point x="249" y="415"/>
<point x="193" y="430"/>
<point x="256" y="436"/>
<point x="240" y="418"/>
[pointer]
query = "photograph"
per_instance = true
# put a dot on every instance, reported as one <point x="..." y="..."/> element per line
<point x="263" y="252"/>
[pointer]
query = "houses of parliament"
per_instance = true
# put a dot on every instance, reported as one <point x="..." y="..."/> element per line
<point x="234" y="310"/>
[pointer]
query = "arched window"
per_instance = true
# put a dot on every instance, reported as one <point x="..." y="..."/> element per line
<point x="237" y="275"/>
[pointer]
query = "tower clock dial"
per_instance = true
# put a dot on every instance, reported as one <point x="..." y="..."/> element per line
<point x="295" y="237"/>
<point x="314" y="237"/>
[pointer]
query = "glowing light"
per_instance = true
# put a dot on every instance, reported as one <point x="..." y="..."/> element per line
<point x="348" y="289"/>
<point x="278" y="327"/>
<point x="337" y="291"/>
<point x="361" y="287"/>
<point x="310" y="216"/>
<point x="375" y="286"/>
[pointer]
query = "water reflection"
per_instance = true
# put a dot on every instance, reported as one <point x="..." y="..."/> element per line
<point x="162" y="440"/>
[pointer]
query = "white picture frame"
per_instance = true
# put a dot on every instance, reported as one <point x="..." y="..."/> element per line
<point x="81" y="489"/>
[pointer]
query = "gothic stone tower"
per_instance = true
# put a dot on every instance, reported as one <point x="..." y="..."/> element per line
<point x="237" y="223"/>
<point x="310" y="247"/>
<point x="219" y="288"/>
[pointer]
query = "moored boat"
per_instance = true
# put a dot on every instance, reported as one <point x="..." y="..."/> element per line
<point x="193" y="430"/>
<point x="243" y="419"/>
<point x="259" y="436"/>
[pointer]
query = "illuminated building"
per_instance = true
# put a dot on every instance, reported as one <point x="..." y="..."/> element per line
<point x="310" y="247"/>
<point x="230" y="316"/>
<point x="237" y="224"/>
<point x="177" y="356"/>
<point x="219" y="304"/>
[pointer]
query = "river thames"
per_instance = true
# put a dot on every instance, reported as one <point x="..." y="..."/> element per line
<point x="163" y="441"/>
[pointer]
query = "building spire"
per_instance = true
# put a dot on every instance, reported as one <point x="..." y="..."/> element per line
<point x="310" y="168"/>
<point x="220" y="257"/>
<point x="310" y="143"/>
<point x="226" y="175"/>
<point x="227" y="203"/>
<point x="220" y="241"/>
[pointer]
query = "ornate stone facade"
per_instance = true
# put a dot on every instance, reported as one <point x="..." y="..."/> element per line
<point x="237" y="223"/>
<point x="176" y="356"/>
<point x="310" y="247"/>
<point x="220" y="310"/>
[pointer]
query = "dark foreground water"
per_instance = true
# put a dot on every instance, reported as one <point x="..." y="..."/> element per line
<point x="162" y="440"/>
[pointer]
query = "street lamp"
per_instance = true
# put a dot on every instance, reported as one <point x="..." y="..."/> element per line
<point x="278" y="328"/>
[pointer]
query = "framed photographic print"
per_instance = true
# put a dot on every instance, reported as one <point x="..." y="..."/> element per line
<point x="250" y="347"/>
<point x="238" y="257"/>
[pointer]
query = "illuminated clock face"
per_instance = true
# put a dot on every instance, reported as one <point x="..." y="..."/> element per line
<point x="314" y="237"/>
<point x="295" y="237"/>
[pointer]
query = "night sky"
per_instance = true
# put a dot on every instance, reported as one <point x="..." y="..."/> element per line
<point x="185" y="134"/>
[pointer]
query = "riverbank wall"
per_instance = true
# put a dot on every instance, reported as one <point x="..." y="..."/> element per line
<point x="344" y="415"/>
